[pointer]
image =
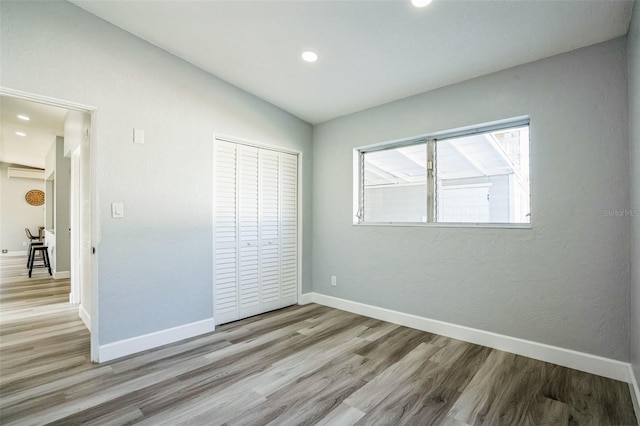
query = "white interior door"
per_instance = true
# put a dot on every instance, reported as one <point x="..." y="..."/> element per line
<point x="77" y="128"/>
<point x="76" y="240"/>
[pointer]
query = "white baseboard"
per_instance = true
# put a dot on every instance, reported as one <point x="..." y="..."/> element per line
<point x="305" y="298"/>
<point x="72" y="300"/>
<point x="15" y="253"/>
<point x="593" y="364"/>
<point x="85" y="317"/>
<point x="61" y="275"/>
<point x="136" y="344"/>
<point x="635" y="392"/>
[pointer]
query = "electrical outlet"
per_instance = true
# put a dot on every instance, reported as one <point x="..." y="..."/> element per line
<point x="333" y="280"/>
<point x="24" y="244"/>
<point x="5" y="251"/>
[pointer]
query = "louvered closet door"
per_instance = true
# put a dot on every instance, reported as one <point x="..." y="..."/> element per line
<point x="248" y="222"/>
<point x="256" y="260"/>
<point x="270" y="229"/>
<point x="289" y="229"/>
<point x="225" y="237"/>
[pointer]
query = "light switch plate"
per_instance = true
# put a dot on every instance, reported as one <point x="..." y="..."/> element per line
<point x="117" y="210"/>
<point x="138" y="136"/>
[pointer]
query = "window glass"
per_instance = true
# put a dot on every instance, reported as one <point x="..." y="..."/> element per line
<point x="395" y="185"/>
<point x="484" y="178"/>
<point x="476" y="176"/>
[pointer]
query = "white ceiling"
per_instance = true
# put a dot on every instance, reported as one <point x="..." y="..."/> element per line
<point x="46" y="122"/>
<point x="371" y="52"/>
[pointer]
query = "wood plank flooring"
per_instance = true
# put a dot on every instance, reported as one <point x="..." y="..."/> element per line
<point x="300" y="365"/>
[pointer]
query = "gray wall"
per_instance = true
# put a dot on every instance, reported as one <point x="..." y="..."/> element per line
<point x="63" y="208"/>
<point x="565" y="282"/>
<point x="15" y="213"/>
<point x="58" y="196"/>
<point x="634" y="145"/>
<point x="155" y="264"/>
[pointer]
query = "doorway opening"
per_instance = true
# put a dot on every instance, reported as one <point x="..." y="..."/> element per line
<point x="55" y="137"/>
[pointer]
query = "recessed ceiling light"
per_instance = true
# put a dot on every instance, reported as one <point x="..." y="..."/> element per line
<point x="309" y="56"/>
<point x="21" y="134"/>
<point x="420" y="3"/>
<point x="23" y="117"/>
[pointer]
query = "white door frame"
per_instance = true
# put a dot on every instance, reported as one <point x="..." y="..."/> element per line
<point x="90" y="262"/>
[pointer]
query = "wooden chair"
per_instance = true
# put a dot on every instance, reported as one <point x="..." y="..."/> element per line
<point x="30" y="236"/>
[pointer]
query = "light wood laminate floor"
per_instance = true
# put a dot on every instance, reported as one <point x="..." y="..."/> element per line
<point x="300" y="365"/>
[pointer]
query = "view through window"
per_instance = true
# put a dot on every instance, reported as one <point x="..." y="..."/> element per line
<point x="477" y="177"/>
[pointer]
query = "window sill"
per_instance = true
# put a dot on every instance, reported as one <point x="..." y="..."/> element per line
<point x="450" y="225"/>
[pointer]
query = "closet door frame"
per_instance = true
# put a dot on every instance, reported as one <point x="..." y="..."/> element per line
<point x="276" y="148"/>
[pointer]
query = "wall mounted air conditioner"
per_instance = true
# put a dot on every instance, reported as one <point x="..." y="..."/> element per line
<point x="22" y="172"/>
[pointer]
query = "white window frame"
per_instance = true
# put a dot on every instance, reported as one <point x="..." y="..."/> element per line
<point x="430" y="140"/>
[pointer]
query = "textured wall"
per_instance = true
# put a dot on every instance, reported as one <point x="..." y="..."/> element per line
<point x="63" y="208"/>
<point x="155" y="264"/>
<point x="634" y="147"/>
<point x="565" y="282"/>
<point x="15" y="213"/>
